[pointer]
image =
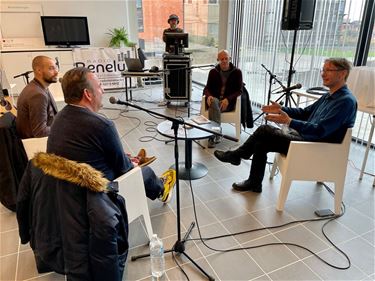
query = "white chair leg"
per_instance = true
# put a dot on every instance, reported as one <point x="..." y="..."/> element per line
<point x="283" y="193"/>
<point x="339" y="190"/>
<point x="274" y="167"/>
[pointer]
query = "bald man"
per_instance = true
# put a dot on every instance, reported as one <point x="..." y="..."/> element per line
<point x="224" y="85"/>
<point x="36" y="106"/>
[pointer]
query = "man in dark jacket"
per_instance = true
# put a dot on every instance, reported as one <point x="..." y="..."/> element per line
<point x="224" y="85"/>
<point x="326" y="120"/>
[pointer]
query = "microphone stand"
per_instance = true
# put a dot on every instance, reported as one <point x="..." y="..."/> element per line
<point x="179" y="246"/>
<point x="26" y="74"/>
<point x="272" y="77"/>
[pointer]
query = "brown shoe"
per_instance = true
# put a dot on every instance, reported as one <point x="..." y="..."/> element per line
<point x="146" y="161"/>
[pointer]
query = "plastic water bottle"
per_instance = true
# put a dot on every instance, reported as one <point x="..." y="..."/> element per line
<point x="157" y="256"/>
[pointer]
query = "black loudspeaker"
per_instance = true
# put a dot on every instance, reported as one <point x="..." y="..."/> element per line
<point x="298" y="14"/>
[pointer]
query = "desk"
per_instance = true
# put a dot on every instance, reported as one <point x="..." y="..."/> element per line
<point x="188" y="168"/>
<point x="129" y="75"/>
<point x="362" y="108"/>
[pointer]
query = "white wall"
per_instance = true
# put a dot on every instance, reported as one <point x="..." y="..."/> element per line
<point x="101" y="15"/>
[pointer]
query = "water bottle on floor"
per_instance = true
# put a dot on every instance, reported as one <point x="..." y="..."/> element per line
<point x="157" y="256"/>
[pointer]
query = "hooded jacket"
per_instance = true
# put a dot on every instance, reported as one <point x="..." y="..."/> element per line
<point x="75" y="224"/>
<point x="233" y="87"/>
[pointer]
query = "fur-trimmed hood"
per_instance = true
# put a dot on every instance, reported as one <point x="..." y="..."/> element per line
<point x="80" y="174"/>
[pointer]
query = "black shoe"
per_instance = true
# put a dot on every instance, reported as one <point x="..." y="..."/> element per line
<point x="227" y="157"/>
<point x="247" y="186"/>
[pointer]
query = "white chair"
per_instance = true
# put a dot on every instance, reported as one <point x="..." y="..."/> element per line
<point x="313" y="161"/>
<point x="131" y="187"/>
<point x="34" y="145"/>
<point x="227" y="117"/>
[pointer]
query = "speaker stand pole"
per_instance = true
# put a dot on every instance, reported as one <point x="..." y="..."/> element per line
<point x="288" y="95"/>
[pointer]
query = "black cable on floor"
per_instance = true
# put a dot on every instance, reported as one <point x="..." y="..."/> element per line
<point x="331" y="218"/>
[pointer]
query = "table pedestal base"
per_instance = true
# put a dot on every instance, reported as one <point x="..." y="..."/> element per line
<point x="197" y="171"/>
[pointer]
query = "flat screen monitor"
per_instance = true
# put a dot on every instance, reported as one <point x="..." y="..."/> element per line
<point x="65" y="31"/>
<point x="176" y="41"/>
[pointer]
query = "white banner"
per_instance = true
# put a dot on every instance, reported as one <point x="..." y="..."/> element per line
<point x="106" y="63"/>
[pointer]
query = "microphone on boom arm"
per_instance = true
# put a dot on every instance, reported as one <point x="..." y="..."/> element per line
<point x="23" y="74"/>
<point x="291" y="88"/>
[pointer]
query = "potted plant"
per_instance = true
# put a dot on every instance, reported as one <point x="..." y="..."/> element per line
<point x="119" y="38"/>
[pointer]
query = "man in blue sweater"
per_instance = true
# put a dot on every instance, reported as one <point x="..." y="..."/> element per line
<point x="79" y="133"/>
<point x="324" y="121"/>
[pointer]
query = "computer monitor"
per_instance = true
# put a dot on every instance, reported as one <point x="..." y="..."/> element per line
<point x="176" y="41"/>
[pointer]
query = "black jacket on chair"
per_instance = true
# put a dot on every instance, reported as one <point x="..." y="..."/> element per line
<point x="246" y="111"/>
<point x="13" y="161"/>
<point x="75" y="224"/>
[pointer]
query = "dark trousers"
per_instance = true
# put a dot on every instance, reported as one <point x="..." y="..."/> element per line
<point x="265" y="139"/>
<point x="153" y="185"/>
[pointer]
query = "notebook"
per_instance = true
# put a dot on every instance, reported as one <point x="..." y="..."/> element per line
<point x="134" y="65"/>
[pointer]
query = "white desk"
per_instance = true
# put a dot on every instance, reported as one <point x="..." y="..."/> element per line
<point x="129" y="75"/>
<point x="366" y="109"/>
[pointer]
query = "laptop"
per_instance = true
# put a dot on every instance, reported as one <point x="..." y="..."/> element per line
<point x="134" y="65"/>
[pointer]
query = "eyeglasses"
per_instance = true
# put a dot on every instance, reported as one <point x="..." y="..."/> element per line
<point x="330" y="70"/>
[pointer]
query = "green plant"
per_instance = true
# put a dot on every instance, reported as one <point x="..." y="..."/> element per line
<point x="118" y="36"/>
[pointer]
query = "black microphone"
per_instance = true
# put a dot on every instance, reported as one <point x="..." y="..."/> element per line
<point x="288" y="89"/>
<point x="57" y="62"/>
<point x="23" y="74"/>
<point x="113" y="100"/>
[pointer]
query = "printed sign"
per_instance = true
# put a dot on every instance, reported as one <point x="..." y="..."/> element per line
<point x="106" y="63"/>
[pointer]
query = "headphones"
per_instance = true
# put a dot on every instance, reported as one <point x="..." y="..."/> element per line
<point x="173" y="17"/>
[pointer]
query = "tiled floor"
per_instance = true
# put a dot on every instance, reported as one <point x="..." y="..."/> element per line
<point x="220" y="210"/>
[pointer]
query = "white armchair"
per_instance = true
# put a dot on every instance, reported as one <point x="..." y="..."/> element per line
<point x="313" y="161"/>
<point x="227" y="117"/>
<point x="131" y="187"/>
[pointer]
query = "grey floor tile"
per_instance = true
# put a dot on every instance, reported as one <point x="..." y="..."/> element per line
<point x="225" y="208"/>
<point x="234" y="266"/>
<point x="361" y="254"/>
<point x="245" y="223"/>
<point x="211" y="231"/>
<point x="370" y="237"/>
<point x="268" y="257"/>
<point x="270" y="217"/>
<point x="164" y="225"/>
<point x="27" y="267"/>
<point x="327" y="272"/>
<point x="8" y="267"/>
<point x="252" y="201"/>
<point x="8" y="221"/>
<point x="301" y="236"/>
<point x="295" y="271"/>
<point x="356" y="221"/>
<point x="203" y="214"/>
<point x="335" y="231"/>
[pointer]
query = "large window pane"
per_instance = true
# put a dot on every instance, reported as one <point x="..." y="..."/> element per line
<point x="199" y="18"/>
<point x="335" y="33"/>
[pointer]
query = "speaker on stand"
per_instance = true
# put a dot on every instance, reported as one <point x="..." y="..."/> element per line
<point x="297" y="15"/>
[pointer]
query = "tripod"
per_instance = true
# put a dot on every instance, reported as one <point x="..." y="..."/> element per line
<point x="179" y="246"/>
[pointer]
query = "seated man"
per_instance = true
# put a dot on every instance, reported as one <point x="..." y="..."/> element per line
<point x="36" y="106"/>
<point x="324" y="121"/>
<point x="80" y="134"/>
<point x="219" y="97"/>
